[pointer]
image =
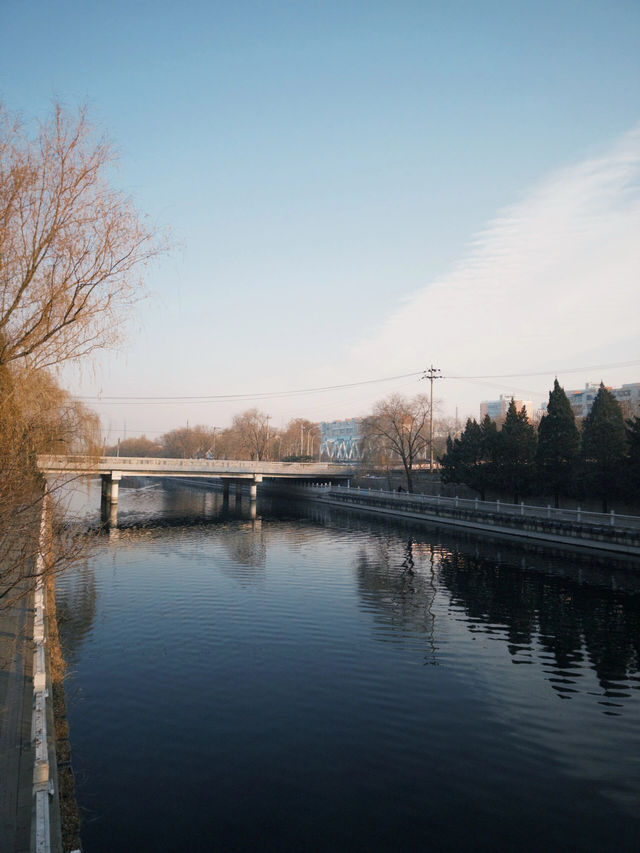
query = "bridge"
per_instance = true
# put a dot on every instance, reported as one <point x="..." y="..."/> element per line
<point x="113" y="468"/>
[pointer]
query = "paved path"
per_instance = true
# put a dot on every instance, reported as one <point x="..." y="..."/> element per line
<point x="16" y="749"/>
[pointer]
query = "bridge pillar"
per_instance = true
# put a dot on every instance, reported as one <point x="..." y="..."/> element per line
<point x="109" y="497"/>
<point x="238" y="489"/>
<point x="253" y="487"/>
<point x="225" y="491"/>
<point x="116" y="476"/>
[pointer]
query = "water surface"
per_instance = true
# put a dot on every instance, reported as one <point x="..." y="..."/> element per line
<point x="307" y="680"/>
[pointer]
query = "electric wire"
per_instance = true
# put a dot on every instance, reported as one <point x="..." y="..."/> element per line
<point x="273" y="395"/>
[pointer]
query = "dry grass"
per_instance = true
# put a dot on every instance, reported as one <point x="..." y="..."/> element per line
<point x="69" y="815"/>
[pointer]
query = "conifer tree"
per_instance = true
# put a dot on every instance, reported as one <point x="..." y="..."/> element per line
<point x="633" y="468"/>
<point x="604" y="445"/>
<point x="470" y="459"/>
<point x="558" y="445"/>
<point x="516" y="452"/>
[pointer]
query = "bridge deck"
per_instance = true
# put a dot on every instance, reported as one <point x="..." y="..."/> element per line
<point x="153" y="467"/>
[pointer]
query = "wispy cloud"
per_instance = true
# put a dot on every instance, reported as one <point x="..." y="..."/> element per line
<point x="553" y="278"/>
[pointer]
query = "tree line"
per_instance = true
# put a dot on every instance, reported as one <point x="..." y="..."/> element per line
<point x="250" y="436"/>
<point x="597" y="458"/>
<point x="396" y="433"/>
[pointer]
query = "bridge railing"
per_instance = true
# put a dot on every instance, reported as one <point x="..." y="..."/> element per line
<point x="74" y="464"/>
<point x="420" y="501"/>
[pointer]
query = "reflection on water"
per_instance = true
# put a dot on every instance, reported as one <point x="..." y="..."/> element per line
<point x="399" y="593"/>
<point x="564" y="624"/>
<point x="310" y="680"/>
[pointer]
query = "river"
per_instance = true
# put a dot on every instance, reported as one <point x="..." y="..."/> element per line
<point x="312" y="680"/>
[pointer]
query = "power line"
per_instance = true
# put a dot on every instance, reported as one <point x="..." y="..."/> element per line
<point x="228" y="398"/>
<point x="272" y="395"/>
<point x="549" y="372"/>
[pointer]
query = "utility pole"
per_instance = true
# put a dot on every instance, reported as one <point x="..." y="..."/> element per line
<point x="268" y="436"/>
<point x="431" y="374"/>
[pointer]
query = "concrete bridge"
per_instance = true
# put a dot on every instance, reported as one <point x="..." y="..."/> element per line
<point x="239" y="472"/>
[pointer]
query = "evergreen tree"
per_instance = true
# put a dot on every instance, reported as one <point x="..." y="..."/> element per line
<point x="604" y="445"/>
<point x="558" y="445"/>
<point x="633" y="468"/>
<point x="470" y="459"/>
<point x="516" y="452"/>
<point x="490" y="451"/>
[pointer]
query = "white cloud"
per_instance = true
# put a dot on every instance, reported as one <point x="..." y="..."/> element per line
<point x="552" y="280"/>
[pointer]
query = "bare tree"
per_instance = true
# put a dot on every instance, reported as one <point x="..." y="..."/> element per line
<point x="399" y="428"/>
<point x="252" y="434"/>
<point x="136" y="446"/>
<point x="70" y="248"/>
<point x="70" y="244"/>
<point x="189" y="442"/>
<point x="299" y="439"/>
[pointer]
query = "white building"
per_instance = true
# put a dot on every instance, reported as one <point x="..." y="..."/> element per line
<point x="497" y="409"/>
<point x="628" y="396"/>
<point x="341" y="441"/>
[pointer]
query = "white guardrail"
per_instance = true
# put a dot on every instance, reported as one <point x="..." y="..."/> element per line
<point x="421" y="501"/>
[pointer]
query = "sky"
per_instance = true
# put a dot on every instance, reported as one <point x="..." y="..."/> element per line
<point x="355" y="191"/>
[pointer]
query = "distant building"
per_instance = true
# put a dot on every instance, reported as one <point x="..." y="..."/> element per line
<point x="628" y="396"/>
<point x="497" y="409"/>
<point x="341" y="441"/>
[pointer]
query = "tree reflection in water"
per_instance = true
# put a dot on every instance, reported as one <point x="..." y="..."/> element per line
<point x="572" y="625"/>
<point x="398" y="586"/>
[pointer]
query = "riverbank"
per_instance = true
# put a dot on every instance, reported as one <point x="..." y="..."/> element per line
<point x="68" y="808"/>
<point x="573" y="529"/>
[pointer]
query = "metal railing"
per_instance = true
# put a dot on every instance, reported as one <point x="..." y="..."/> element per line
<point x="497" y="507"/>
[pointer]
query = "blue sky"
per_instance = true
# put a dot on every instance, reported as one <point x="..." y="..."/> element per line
<point x="357" y="190"/>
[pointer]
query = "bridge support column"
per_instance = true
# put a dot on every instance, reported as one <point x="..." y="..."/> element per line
<point x="253" y="487"/>
<point x="238" y="489"/>
<point x="116" y="476"/>
<point x="225" y="491"/>
<point x="109" y="497"/>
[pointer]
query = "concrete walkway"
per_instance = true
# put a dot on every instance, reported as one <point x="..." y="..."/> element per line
<point x="17" y="752"/>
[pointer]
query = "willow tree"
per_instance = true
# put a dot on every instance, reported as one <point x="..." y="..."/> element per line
<point x="38" y="417"/>
<point x="71" y="246"/>
<point x="71" y="250"/>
